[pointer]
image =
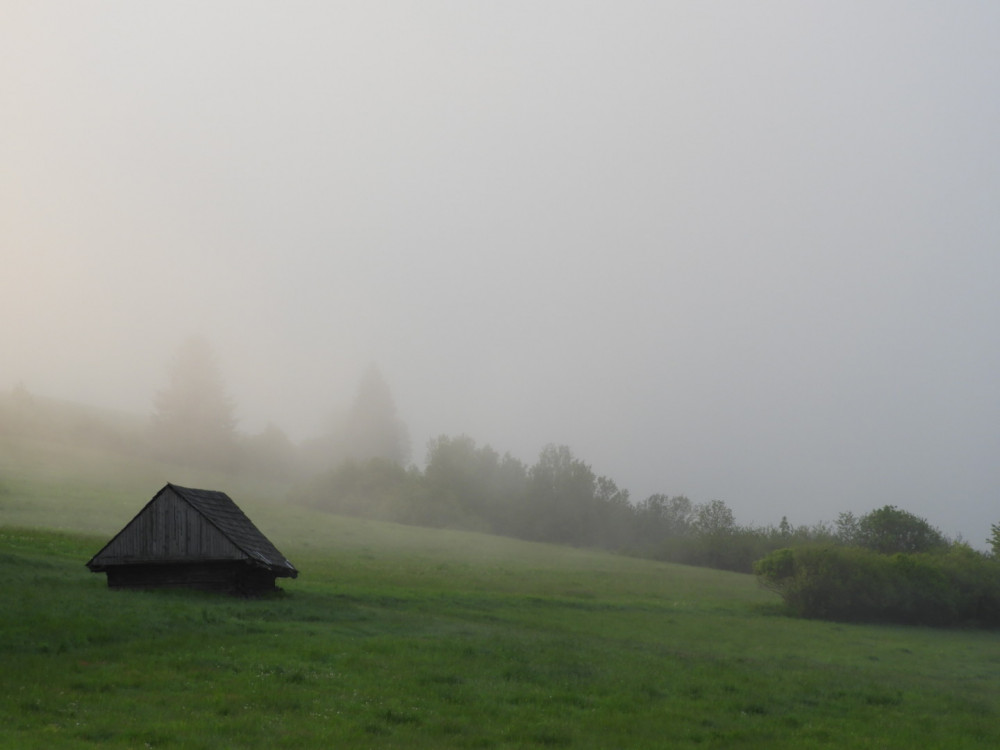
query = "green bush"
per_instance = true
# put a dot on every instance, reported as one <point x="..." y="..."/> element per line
<point x="958" y="587"/>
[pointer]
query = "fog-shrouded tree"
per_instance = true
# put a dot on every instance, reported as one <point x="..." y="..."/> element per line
<point x="194" y="418"/>
<point x="659" y="521"/>
<point x="566" y="502"/>
<point x="615" y="515"/>
<point x="376" y="488"/>
<point x="666" y="516"/>
<point x="269" y="453"/>
<point x="890" y="530"/>
<point x="459" y="475"/>
<point x="714" y="519"/>
<point x="372" y="428"/>
<point x="847" y="529"/>
<point x="559" y="497"/>
<point x="483" y="488"/>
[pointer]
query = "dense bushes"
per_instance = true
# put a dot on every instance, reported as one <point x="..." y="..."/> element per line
<point x="887" y="566"/>
<point x="956" y="587"/>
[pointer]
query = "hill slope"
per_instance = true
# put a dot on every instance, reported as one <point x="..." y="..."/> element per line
<point x="401" y="637"/>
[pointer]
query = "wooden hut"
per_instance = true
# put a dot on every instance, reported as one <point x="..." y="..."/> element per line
<point x="195" y="539"/>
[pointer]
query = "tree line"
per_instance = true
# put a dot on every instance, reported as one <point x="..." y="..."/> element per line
<point x="560" y="499"/>
<point x="885" y="565"/>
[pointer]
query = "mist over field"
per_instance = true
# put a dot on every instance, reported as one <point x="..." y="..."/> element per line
<point x="736" y="251"/>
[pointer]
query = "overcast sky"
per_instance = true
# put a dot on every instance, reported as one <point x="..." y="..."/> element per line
<point x="744" y="251"/>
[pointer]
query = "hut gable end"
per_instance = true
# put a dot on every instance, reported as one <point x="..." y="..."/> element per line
<point x="168" y="529"/>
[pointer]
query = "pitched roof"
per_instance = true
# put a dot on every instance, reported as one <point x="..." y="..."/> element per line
<point x="221" y="512"/>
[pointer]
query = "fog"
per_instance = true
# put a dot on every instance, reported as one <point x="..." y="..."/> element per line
<point x="744" y="251"/>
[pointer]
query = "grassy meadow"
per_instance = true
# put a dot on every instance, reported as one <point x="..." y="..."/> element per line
<point x="396" y="637"/>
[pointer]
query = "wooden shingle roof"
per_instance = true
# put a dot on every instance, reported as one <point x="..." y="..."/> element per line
<point x="228" y="518"/>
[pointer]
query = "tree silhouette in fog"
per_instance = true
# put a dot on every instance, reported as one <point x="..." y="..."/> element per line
<point x="373" y="430"/>
<point x="194" y="419"/>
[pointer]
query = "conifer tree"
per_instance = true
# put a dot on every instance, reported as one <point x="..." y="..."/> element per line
<point x="194" y="419"/>
<point x="373" y="430"/>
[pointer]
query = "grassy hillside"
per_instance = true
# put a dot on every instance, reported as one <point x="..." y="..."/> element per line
<point x="411" y="638"/>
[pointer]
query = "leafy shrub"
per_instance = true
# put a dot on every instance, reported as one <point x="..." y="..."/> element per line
<point x="958" y="587"/>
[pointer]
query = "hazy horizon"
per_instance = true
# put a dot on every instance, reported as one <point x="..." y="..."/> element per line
<point x="735" y="251"/>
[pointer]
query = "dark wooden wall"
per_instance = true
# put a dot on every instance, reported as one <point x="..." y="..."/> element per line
<point x="229" y="577"/>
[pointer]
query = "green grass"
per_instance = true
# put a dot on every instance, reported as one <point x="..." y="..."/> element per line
<point x="395" y="637"/>
<point x="392" y="638"/>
